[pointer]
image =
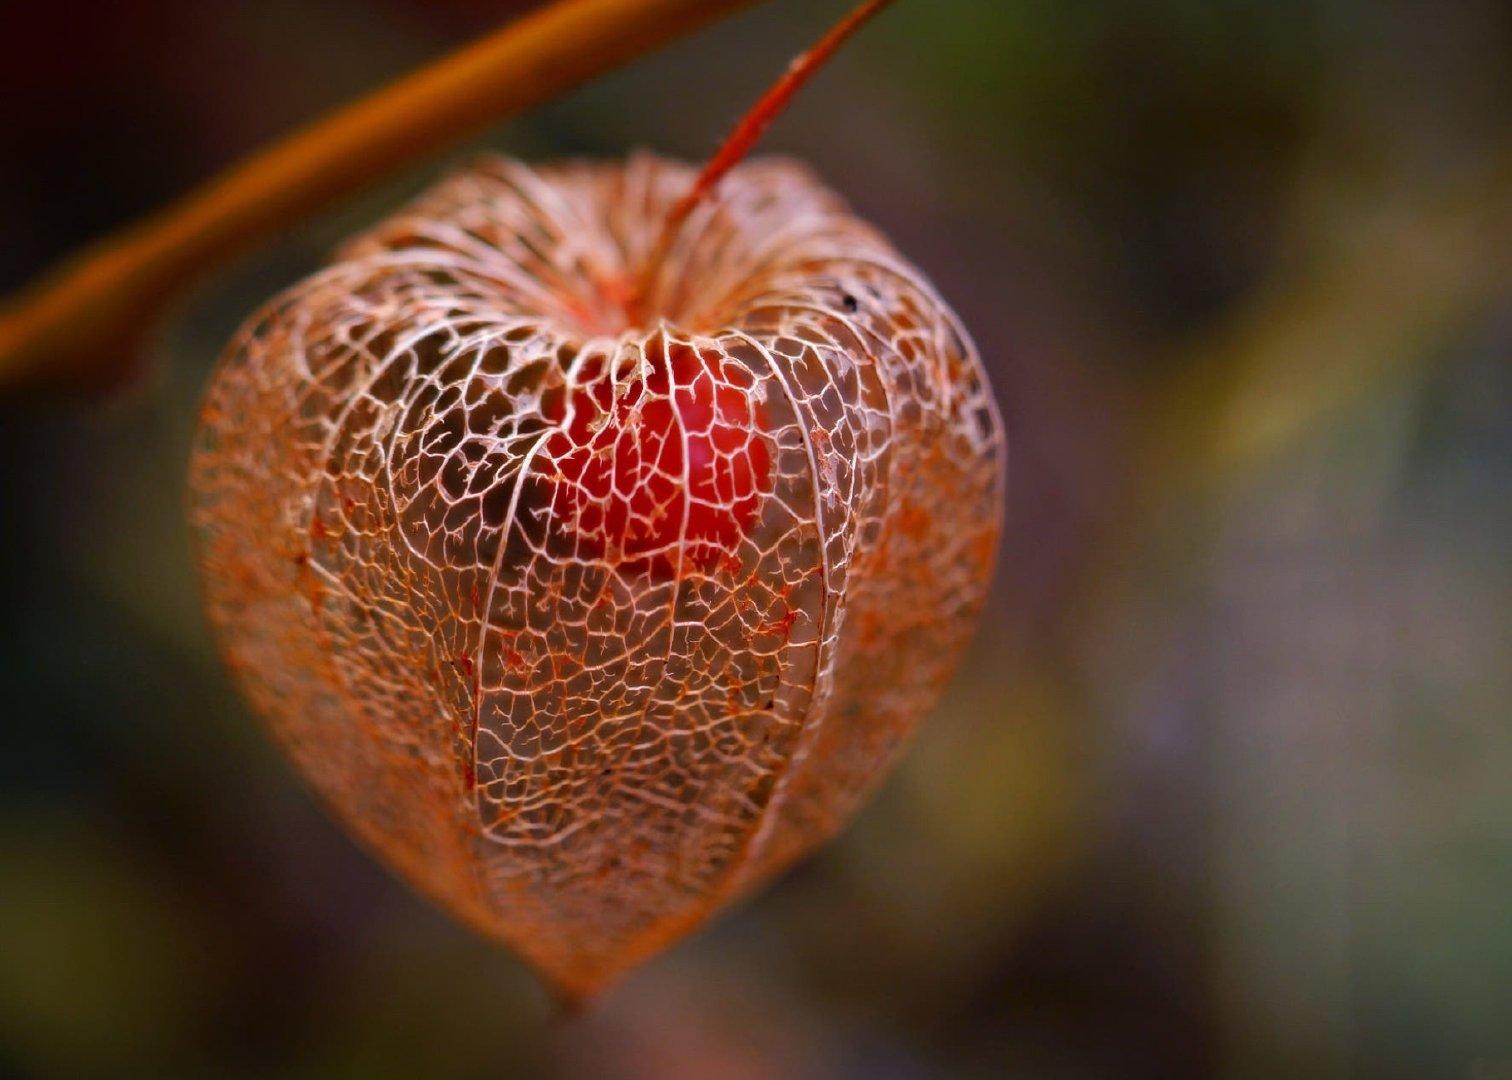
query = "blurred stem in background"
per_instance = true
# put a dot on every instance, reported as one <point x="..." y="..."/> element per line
<point x="82" y="326"/>
<point x="1374" y="276"/>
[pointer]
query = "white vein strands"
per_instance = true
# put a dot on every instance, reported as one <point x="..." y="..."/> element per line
<point x="589" y="623"/>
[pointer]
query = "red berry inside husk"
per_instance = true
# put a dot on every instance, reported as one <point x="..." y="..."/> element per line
<point x="660" y="463"/>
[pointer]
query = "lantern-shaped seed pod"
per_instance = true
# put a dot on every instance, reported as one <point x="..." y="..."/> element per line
<point x="590" y="610"/>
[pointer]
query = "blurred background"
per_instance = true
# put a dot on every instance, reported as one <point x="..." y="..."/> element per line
<point x="1225" y="787"/>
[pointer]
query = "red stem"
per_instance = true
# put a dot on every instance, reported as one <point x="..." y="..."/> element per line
<point x="750" y="128"/>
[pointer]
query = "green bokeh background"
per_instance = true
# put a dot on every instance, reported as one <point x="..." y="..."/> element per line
<point x="1225" y="787"/>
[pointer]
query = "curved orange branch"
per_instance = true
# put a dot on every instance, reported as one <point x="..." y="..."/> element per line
<point x="82" y="322"/>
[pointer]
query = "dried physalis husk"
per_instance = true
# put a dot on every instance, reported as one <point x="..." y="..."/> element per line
<point x="590" y="610"/>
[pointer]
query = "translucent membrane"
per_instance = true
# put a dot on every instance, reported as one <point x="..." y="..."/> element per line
<point x="588" y="626"/>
